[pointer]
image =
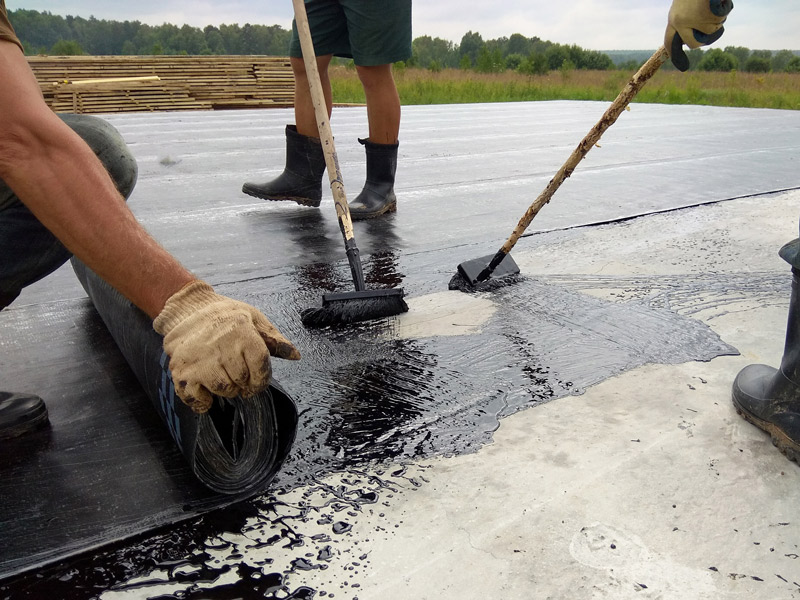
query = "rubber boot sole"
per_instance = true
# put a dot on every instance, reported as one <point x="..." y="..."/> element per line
<point x="780" y="440"/>
<point x="299" y="199"/>
<point x="35" y="422"/>
<point x="359" y="216"/>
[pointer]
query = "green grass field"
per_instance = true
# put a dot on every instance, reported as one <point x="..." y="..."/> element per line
<point x="451" y="86"/>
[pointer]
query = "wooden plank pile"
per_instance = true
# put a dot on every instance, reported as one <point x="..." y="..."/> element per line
<point x="113" y="84"/>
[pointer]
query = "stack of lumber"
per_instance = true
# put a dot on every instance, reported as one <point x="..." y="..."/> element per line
<point x="113" y="84"/>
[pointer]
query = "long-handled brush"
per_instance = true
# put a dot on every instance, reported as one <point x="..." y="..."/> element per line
<point x="362" y="304"/>
<point x="488" y="271"/>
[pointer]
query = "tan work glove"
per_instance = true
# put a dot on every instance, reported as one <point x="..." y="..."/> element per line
<point x="694" y="23"/>
<point x="217" y="345"/>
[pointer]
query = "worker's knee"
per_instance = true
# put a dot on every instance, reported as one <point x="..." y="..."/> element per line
<point x="375" y="76"/>
<point x="107" y="143"/>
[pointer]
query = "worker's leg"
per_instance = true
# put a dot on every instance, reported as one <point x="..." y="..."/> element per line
<point x="301" y="180"/>
<point x="383" y="114"/>
<point x="383" y="103"/>
<point x="380" y="34"/>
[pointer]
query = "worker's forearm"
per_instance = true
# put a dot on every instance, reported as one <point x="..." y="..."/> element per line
<point x="66" y="187"/>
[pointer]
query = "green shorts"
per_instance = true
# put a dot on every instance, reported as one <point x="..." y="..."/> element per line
<point x="371" y="32"/>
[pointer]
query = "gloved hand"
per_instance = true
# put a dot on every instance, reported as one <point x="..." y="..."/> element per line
<point x="217" y="345"/>
<point x="694" y="23"/>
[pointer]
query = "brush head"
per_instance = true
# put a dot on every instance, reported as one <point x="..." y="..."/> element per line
<point x="353" y="307"/>
<point x="458" y="283"/>
<point x="468" y="278"/>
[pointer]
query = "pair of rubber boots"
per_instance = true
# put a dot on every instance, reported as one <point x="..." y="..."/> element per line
<point x="301" y="180"/>
<point x="769" y="398"/>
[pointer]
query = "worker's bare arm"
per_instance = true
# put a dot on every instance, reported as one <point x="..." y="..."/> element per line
<point x="61" y="181"/>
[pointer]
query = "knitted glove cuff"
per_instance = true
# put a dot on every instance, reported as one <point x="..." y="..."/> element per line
<point x="183" y="303"/>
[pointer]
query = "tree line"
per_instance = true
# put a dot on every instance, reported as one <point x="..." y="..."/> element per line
<point x="45" y="33"/>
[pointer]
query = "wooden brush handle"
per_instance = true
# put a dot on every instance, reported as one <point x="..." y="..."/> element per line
<point x="627" y="94"/>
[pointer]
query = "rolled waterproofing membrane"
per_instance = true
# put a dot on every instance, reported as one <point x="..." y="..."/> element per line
<point x="237" y="446"/>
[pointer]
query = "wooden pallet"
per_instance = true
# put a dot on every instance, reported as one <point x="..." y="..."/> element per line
<point x="108" y="84"/>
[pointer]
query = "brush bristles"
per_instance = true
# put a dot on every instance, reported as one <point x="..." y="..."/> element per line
<point x="459" y="283"/>
<point x="353" y="310"/>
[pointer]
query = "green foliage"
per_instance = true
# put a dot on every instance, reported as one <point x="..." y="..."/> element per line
<point x="781" y="59"/>
<point x="757" y="64"/>
<point x="513" y="61"/>
<point x="427" y="50"/>
<point x="718" y="60"/>
<point x="566" y="68"/>
<point x="741" y="53"/>
<point x="793" y="66"/>
<point x="535" y="64"/>
<point x="765" y="54"/>
<point x="471" y="44"/>
<point x="518" y="44"/>
<point x="490" y="61"/>
<point x="695" y="57"/>
<point x="630" y="65"/>
<point x="66" y="48"/>
<point x="555" y="56"/>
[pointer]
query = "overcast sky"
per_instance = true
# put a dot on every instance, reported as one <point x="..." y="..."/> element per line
<point x="592" y="24"/>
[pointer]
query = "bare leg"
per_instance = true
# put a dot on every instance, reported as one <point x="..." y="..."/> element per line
<point x="303" y="107"/>
<point x="383" y="103"/>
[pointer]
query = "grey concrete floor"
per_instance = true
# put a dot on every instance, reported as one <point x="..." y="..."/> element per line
<point x="647" y="484"/>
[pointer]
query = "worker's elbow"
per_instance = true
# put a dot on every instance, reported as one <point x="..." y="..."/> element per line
<point x="26" y="138"/>
<point x="17" y="147"/>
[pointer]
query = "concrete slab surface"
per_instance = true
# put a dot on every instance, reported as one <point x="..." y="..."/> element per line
<point x="570" y="436"/>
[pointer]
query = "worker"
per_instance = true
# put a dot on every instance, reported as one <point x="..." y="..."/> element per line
<point x="374" y="35"/>
<point x="58" y="199"/>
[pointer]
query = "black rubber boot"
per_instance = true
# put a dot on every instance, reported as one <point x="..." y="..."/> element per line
<point x="20" y="413"/>
<point x="769" y="398"/>
<point x="301" y="179"/>
<point x="377" y="197"/>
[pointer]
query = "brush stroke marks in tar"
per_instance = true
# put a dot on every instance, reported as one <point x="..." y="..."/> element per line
<point x="371" y="397"/>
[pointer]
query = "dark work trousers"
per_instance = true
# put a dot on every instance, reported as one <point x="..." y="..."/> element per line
<point x="28" y="251"/>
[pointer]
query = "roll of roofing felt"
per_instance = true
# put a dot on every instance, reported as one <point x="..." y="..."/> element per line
<point x="239" y="444"/>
